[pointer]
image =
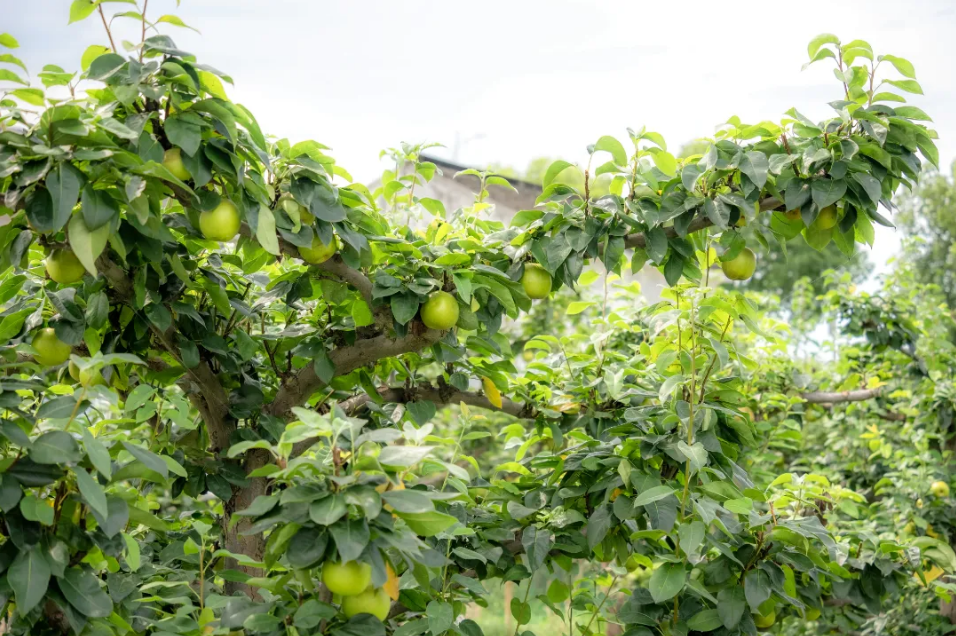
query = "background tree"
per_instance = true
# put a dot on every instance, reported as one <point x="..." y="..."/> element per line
<point x="927" y="217"/>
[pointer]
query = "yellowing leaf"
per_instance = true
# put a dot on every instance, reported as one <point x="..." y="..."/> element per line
<point x="577" y="307"/>
<point x="491" y="392"/>
<point x="391" y="584"/>
<point x="212" y="85"/>
<point x="931" y="574"/>
<point x="91" y="53"/>
<point x="175" y="21"/>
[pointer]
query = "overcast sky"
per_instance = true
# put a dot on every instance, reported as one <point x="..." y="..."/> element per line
<point x="524" y="78"/>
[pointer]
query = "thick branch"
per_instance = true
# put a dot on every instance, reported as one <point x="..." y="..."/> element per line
<point x="296" y="390"/>
<point x="827" y="397"/>
<point x="334" y="266"/>
<point x="701" y="222"/>
<point x="425" y="392"/>
<point x="440" y="397"/>
<point x="210" y="399"/>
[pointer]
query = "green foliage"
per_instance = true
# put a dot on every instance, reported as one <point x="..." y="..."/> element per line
<point x="239" y="419"/>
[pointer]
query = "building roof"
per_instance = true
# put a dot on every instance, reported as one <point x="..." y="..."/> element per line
<point x="523" y="199"/>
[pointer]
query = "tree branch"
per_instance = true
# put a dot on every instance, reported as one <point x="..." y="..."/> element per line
<point x="335" y="266"/>
<point x="701" y="222"/>
<point x="210" y="399"/>
<point x="296" y="390"/>
<point x="439" y="396"/>
<point x="826" y="397"/>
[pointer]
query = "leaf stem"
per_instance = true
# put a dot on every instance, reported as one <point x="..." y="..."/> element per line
<point x="599" y="607"/>
<point x="107" y="27"/>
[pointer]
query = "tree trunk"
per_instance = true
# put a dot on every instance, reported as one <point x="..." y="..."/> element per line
<point x="234" y="528"/>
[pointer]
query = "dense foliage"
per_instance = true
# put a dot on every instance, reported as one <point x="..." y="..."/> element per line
<point x="225" y="361"/>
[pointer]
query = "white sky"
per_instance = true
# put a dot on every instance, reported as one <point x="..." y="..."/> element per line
<point x="531" y="77"/>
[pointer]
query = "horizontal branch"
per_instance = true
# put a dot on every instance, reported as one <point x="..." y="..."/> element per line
<point x="827" y="397"/>
<point x="210" y="399"/>
<point x="441" y="397"/>
<point x="297" y="389"/>
<point x="698" y="224"/>
<point x="334" y="266"/>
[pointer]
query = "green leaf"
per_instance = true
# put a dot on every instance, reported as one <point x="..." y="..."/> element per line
<point x="598" y="525"/>
<point x="33" y="509"/>
<point x="731" y="606"/>
<point x="904" y="66"/>
<point x="29" y="95"/>
<point x="554" y="170"/>
<point x="819" y="41"/>
<point x="521" y="611"/>
<point x="558" y="591"/>
<point x="328" y="510"/>
<point x="500" y="181"/>
<point x="827" y="191"/>
<point x="428" y="524"/>
<point x="116" y="518"/>
<point x="614" y="147"/>
<point x="12" y="59"/>
<point x="8" y="41"/>
<point x="910" y="86"/>
<point x="183" y="133"/>
<point x="577" y="307"/>
<point x="526" y="217"/>
<point x="351" y="536"/>
<point x="409" y="501"/>
<point x="91" y="53"/>
<point x="81" y="9"/>
<point x="92" y="492"/>
<point x="175" y="21"/>
<point x="754" y="164"/>
<point x="705" y="621"/>
<point x="132" y="552"/>
<point x="653" y="494"/>
<point x="105" y="66"/>
<point x="757" y="588"/>
<point x="10" y="76"/>
<point x="665" y="162"/>
<point x="403" y="456"/>
<point x="29" y="576"/>
<point x="667" y="581"/>
<point x="82" y="590"/>
<point x="436" y="207"/>
<point x="404" y="307"/>
<point x="86" y="244"/>
<point x="870" y="185"/>
<point x="266" y="231"/>
<point x="150" y="459"/>
<point x="440" y="617"/>
<point x="259" y="506"/>
<point x="64" y="183"/>
<point x="55" y="447"/>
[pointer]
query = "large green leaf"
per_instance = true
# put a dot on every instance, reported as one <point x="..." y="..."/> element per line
<point x="667" y="581"/>
<point x="29" y="576"/>
<point x="55" y="447"/>
<point x="82" y="590"/>
<point x="428" y="524"/>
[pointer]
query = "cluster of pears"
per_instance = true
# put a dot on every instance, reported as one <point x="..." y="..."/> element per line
<point x="828" y="217"/>
<point x="352" y="581"/>
<point x="441" y="310"/>
<point x="52" y="352"/>
<point x="219" y="224"/>
<point x="318" y="252"/>
<point x="222" y="223"/>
